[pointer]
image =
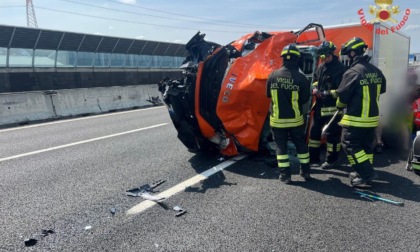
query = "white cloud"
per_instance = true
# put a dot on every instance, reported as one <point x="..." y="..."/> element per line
<point x="129" y="1"/>
<point x="412" y="27"/>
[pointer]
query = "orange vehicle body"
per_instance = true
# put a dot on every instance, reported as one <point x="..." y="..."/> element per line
<point x="234" y="106"/>
<point x="340" y="35"/>
<point x="242" y="105"/>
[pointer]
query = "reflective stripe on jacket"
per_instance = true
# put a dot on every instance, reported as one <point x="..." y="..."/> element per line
<point x="359" y="90"/>
<point x="328" y="111"/>
<point x="328" y="76"/>
<point x="288" y="90"/>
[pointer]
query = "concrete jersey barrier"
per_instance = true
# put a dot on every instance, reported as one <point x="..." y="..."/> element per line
<point x="25" y="107"/>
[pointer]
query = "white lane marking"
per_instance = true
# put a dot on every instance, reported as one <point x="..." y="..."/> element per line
<point x="144" y="205"/>
<point x="81" y="142"/>
<point x="79" y="119"/>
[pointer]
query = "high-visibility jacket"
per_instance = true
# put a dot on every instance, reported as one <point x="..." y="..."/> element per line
<point x="359" y="90"/>
<point x="328" y="77"/>
<point x="289" y="90"/>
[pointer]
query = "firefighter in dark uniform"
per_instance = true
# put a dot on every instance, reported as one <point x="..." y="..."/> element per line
<point x="359" y="92"/>
<point x="289" y="90"/>
<point x="327" y="78"/>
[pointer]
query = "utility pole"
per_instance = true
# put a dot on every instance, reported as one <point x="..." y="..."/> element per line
<point x="30" y="15"/>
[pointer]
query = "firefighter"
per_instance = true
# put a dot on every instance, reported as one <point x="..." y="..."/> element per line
<point x="327" y="77"/>
<point x="359" y="92"/>
<point x="289" y="90"/>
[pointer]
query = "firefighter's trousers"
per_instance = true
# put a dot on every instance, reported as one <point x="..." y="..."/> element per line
<point x="297" y="135"/>
<point x="333" y="139"/>
<point x="358" y="146"/>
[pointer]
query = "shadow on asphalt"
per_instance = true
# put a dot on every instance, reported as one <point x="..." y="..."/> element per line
<point x="338" y="185"/>
<point x="256" y="166"/>
<point x="215" y="181"/>
<point x="203" y="161"/>
<point x="399" y="186"/>
<point x="388" y="183"/>
<point x="389" y="157"/>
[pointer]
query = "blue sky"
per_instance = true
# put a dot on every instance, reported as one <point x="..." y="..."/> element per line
<point x="178" y="20"/>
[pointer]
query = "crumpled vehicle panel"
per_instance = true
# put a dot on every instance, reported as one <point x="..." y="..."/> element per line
<point x="220" y="104"/>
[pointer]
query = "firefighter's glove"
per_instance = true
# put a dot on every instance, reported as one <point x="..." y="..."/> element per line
<point x="340" y="108"/>
<point x="318" y="94"/>
<point x="339" y="105"/>
<point x="332" y="93"/>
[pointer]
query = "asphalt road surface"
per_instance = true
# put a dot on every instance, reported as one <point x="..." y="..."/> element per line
<point x="67" y="176"/>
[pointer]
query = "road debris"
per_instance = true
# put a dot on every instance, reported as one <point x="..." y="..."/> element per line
<point x="46" y="232"/>
<point x="179" y="211"/>
<point x="88" y="228"/>
<point x="148" y="196"/>
<point x="138" y="191"/>
<point x="113" y="211"/>
<point x="149" y="188"/>
<point x="30" y="242"/>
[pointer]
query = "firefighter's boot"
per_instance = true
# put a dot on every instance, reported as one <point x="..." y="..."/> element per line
<point x="327" y="165"/>
<point x="314" y="154"/>
<point x="305" y="172"/>
<point x="364" y="180"/>
<point x="364" y="174"/>
<point x="286" y="175"/>
<point x="331" y="157"/>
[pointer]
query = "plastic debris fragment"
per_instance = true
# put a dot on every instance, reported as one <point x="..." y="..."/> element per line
<point x="157" y="183"/>
<point x="179" y="211"/>
<point x="148" y="196"/>
<point x="135" y="192"/>
<point x="138" y="191"/>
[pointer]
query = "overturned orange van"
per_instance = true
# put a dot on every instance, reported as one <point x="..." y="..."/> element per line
<point x="221" y="104"/>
